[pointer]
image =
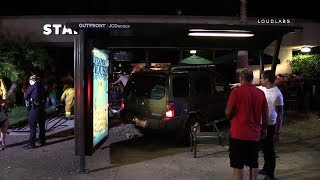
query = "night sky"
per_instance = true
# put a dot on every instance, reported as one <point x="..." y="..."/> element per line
<point x="256" y="8"/>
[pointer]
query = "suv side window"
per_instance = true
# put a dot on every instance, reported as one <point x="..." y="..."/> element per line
<point x="180" y="86"/>
<point x="152" y="87"/>
<point x="203" y="85"/>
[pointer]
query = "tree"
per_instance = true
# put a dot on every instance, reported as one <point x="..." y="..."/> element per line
<point x="307" y="65"/>
<point x="18" y="59"/>
<point x="243" y="11"/>
<point x="242" y="59"/>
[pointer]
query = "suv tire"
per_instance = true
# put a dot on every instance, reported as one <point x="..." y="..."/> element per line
<point x="188" y="128"/>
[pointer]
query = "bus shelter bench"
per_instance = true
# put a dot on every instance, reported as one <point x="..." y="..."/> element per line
<point x="214" y="137"/>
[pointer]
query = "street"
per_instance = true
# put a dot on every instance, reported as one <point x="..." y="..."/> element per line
<point x="157" y="156"/>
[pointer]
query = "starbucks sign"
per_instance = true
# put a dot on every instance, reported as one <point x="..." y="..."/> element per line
<point x="57" y="29"/>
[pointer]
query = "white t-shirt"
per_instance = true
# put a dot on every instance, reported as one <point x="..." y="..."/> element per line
<point x="124" y="79"/>
<point x="274" y="98"/>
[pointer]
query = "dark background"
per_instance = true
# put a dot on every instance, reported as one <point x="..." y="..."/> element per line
<point x="63" y="57"/>
<point x="306" y="9"/>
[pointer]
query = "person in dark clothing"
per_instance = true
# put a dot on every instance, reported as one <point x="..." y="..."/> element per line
<point x="4" y="122"/>
<point x="35" y="100"/>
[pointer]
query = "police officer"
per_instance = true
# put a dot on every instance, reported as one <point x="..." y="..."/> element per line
<point x="35" y="100"/>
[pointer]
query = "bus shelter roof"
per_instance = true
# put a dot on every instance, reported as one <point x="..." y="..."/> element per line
<point x="177" y="35"/>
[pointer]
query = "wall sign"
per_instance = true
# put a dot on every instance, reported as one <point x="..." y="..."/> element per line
<point x="103" y="26"/>
<point x="95" y="25"/>
<point x="57" y="29"/>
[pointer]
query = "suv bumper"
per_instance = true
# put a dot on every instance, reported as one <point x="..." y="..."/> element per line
<point x="169" y="124"/>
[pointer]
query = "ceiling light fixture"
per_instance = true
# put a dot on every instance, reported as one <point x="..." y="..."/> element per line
<point x="215" y="30"/>
<point x="193" y="51"/>
<point x="305" y="49"/>
<point x="216" y="34"/>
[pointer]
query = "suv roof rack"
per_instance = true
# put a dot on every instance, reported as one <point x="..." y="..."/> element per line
<point x="180" y="67"/>
<point x="183" y="67"/>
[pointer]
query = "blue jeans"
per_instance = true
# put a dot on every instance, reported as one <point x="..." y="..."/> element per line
<point x="53" y="101"/>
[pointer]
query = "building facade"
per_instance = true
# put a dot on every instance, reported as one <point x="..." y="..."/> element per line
<point x="50" y="31"/>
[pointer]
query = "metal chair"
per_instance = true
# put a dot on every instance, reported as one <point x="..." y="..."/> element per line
<point x="197" y="137"/>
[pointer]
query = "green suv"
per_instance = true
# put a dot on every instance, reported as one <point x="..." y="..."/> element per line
<point x="174" y="99"/>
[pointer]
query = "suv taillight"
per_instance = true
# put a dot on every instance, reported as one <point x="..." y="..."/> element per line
<point x="122" y="104"/>
<point x="170" y="110"/>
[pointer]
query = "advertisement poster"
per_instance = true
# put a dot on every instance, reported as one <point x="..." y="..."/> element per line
<point x="100" y="95"/>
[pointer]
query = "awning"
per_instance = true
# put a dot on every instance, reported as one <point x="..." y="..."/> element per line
<point x="175" y="35"/>
<point x="252" y="56"/>
<point x="194" y="59"/>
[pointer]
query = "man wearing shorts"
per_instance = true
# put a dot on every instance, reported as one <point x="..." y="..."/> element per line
<point x="247" y="106"/>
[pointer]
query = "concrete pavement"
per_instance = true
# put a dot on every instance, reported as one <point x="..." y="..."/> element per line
<point x="298" y="159"/>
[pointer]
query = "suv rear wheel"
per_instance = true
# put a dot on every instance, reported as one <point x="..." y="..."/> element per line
<point x="192" y="121"/>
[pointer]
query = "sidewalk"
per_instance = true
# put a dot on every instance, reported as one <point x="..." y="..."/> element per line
<point x="297" y="160"/>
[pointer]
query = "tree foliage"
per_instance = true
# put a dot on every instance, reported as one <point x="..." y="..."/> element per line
<point x="20" y="57"/>
<point x="308" y="65"/>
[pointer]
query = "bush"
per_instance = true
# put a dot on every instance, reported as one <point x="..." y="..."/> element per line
<point x="307" y="65"/>
<point x="19" y="115"/>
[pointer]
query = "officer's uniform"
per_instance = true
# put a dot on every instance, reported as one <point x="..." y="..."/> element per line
<point x="36" y="96"/>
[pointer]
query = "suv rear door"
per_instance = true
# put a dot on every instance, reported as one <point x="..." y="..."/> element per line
<point x="205" y="97"/>
<point x="180" y="93"/>
<point x="202" y="92"/>
<point x="146" y="95"/>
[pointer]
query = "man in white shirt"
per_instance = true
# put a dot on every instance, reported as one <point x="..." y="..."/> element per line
<point x="123" y="79"/>
<point x="275" y="103"/>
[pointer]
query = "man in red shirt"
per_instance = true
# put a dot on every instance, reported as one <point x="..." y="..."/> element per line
<point x="247" y="106"/>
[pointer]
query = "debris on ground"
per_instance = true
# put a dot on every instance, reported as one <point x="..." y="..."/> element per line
<point x="123" y="132"/>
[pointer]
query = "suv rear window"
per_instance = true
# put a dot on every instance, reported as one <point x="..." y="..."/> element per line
<point x="203" y="85"/>
<point x="180" y="86"/>
<point x="152" y="87"/>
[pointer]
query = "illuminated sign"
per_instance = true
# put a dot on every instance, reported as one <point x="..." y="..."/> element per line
<point x="100" y="96"/>
<point x="103" y="25"/>
<point x="57" y="29"/>
<point x="119" y="26"/>
<point x="273" y="21"/>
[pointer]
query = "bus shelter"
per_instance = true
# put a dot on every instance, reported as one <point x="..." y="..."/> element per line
<point x="92" y="63"/>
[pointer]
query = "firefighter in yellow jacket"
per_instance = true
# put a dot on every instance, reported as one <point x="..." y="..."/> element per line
<point x="3" y="90"/>
<point x="68" y="97"/>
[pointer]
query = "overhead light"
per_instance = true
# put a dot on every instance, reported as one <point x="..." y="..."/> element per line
<point x="215" y="30"/>
<point x="216" y="34"/>
<point x="305" y="49"/>
<point x="193" y="51"/>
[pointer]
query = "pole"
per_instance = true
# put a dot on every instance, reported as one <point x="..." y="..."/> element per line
<point x="147" y="58"/>
<point x="180" y="54"/>
<point x="275" y="55"/>
<point x="213" y="55"/>
<point x="261" y="64"/>
<point x="243" y="11"/>
<point x="80" y="104"/>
